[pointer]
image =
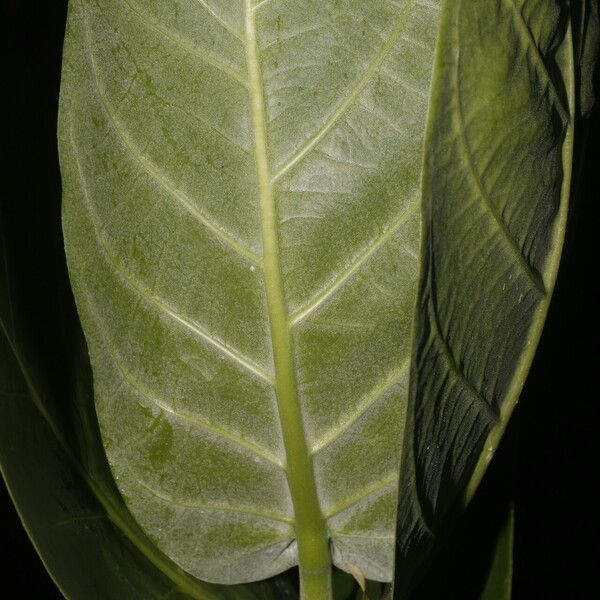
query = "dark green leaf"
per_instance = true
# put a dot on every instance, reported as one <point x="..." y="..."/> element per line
<point x="498" y="585"/>
<point x="496" y="185"/>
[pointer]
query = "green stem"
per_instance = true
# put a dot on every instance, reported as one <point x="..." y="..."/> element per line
<point x="311" y="530"/>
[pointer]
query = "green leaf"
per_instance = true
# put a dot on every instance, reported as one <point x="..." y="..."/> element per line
<point x="470" y="551"/>
<point x="498" y="584"/>
<point x="51" y="454"/>
<point x="243" y="193"/>
<point x="496" y="184"/>
<point x="241" y="219"/>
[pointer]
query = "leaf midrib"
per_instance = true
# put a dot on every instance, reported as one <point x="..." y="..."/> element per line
<point x="310" y="525"/>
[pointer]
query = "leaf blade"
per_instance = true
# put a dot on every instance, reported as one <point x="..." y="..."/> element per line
<point x="139" y="247"/>
<point x="498" y="584"/>
<point x="500" y="272"/>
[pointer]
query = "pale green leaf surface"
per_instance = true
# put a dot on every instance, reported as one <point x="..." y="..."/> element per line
<point x="496" y="185"/>
<point x="241" y="391"/>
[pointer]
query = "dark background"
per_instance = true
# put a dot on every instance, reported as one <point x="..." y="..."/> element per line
<point x="547" y="464"/>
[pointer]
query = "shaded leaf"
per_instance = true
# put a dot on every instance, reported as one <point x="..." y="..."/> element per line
<point x="498" y="585"/>
<point x="496" y="184"/>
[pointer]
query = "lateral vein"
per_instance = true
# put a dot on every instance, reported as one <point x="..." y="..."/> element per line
<point x="482" y="193"/>
<point x="349" y="100"/>
<point x="362" y="496"/>
<point x="226" y="25"/>
<point x="370" y="400"/>
<point x="260" y="4"/>
<point x="247" y="510"/>
<point x="183" y="44"/>
<point x="538" y="59"/>
<point x="151" y="169"/>
<point x="363" y="536"/>
<point x="344" y="275"/>
<point x="454" y="368"/>
<point x="146" y="394"/>
<point x="144" y="293"/>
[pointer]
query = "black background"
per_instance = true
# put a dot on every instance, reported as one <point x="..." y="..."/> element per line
<point x="548" y="463"/>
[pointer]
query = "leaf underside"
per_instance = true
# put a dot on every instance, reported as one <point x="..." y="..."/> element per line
<point x="181" y="127"/>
